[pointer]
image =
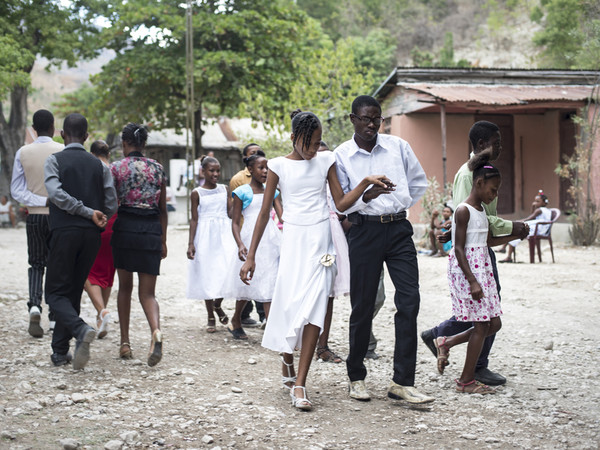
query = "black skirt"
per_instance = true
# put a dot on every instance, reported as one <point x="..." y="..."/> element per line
<point x="137" y="240"/>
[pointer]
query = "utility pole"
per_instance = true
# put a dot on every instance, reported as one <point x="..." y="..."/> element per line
<point x="190" y="132"/>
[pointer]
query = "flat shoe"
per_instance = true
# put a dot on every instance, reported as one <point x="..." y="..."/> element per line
<point x="442" y="358"/>
<point x="326" y="355"/>
<point x="82" y="348"/>
<point x="408" y="393"/>
<point x="427" y="337"/>
<point x="358" y="391"/>
<point x="238" y="333"/>
<point x="474" y="387"/>
<point x="486" y="376"/>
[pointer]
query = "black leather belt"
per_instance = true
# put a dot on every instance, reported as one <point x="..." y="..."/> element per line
<point x="358" y="219"/>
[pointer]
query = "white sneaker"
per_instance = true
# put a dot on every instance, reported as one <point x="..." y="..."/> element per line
<point x="35" y="316"/>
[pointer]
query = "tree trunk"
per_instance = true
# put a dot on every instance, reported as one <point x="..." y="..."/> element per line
<point x="12" y="135"/>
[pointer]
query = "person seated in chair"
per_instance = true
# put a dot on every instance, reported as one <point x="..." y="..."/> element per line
<point x="541" y="213"/>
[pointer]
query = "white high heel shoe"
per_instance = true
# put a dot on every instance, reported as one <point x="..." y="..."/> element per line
<point x="302" y="403"/>
<point x="289" y="379"/>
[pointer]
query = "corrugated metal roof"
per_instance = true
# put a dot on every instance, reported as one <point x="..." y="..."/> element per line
<point x="500" y="94"/>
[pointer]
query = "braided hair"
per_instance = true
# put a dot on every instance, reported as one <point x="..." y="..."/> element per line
<point x="543" y="196"/>
<point x="135" y="135"/>
<point x="250" y="160"/>
<point x="304" y="124"/>
<point x="481" y="167"/>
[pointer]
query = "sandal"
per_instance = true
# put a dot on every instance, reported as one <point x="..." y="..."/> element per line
<point x="442" y="358"/>
<point x="222" y="316"/>
<point x="302" y="403"/>
<point x="288" y="381"/>
<point x="210" y="327"/>
<point x="125" y="351"/>
<point x="474" y="387"/>
<point x="238" y="333"/>
<point x="326" y="355"/>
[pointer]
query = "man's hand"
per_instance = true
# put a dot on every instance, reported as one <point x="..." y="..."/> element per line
<point x="520" y="230"/>
<point x="375" y="192"/>
<point x="99" y="218"/>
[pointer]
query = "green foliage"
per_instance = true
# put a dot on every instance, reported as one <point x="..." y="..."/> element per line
<point x="422" y="58"/>
<point x="327" y="86"/>
<point x="376" y="52"/>
<point x="434" y="198"/>
<point x="578" y="169"/>
<point x="570" y="37"/>
<point x="86" y="101"/>
<point x="447" y="51"/>
<point x="536" y="14"/>
<point x="246" y="57"/>
<point x="444" y="59"/>
<point x="55" y="30"/>
<point x="12" y="59"/>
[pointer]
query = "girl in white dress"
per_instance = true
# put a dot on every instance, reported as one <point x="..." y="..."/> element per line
<point x="247" y="201"/>
<point x="211" y="246"/>
<point x="307" y="262"/>
<point x="541" y="213"/>
<point x="473" y="289"/>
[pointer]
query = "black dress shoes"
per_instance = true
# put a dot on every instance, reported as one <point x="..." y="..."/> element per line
<point x="61" y="360"/>
<point x="486" y="376"/>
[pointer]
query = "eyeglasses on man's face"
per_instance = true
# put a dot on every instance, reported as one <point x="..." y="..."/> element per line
<point x="367" y="120"/>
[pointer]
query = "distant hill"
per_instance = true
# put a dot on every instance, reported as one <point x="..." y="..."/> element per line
<point x="48" y="87"/>
<point x="476" y="39"/>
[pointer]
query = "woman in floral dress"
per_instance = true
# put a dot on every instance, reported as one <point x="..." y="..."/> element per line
<point x="139" y="234"/>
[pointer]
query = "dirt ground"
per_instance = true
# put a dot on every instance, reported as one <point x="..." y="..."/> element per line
<point x="212" y="392"/>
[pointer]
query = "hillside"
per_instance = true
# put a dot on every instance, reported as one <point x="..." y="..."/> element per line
<point x="478" y="38"/>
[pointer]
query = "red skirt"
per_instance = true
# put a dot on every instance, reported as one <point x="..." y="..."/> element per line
<point x="103" y="271"/>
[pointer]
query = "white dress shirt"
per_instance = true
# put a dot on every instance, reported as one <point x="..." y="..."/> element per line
<point x="392" y="157"/>
<point x="18" y="185"/>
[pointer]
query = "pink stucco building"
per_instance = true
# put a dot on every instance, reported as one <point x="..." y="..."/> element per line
<point x="433" y="109"/>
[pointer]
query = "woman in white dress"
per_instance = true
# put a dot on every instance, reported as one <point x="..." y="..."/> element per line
<point x="211" y="247"/>
<point x="307" y="261"/>
<point x="247" y="201"/>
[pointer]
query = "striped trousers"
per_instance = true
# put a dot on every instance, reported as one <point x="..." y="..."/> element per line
<point x="38" y="233"/>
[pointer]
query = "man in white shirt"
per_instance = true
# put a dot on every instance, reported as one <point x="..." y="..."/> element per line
<point x="27" y="187"/>
<point x="380" y="233"/>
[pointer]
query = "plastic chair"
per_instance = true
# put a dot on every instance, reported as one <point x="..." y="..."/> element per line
<point x="535" y="238"/>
